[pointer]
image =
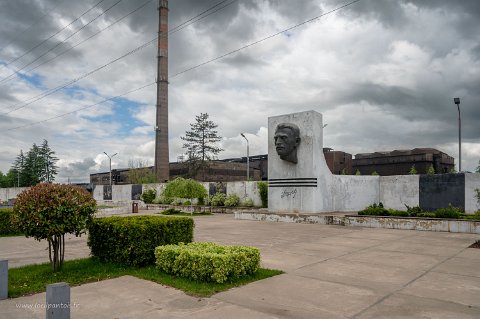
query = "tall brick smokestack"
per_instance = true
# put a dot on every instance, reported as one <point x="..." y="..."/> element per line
<point x="161" y="129"/>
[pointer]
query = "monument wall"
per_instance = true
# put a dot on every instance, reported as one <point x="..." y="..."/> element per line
<point x="300" y="181"/>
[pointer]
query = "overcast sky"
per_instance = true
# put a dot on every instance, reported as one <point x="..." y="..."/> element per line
<point x="382" y="73"/>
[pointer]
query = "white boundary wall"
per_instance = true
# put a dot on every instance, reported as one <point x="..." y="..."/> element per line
<point x="9" y="193"/>
<point x="400" y="190"/>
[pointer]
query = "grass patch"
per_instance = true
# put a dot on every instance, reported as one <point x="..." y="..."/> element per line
<point x="176" y="212"/>
<point x="11" y="235"/>
<point x="32" y="279"/>
<point x="200" y="288"/>
<point x="186" y="214"/>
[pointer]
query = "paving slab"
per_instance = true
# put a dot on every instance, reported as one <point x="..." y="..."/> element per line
<point x="21" y="251"/>
<point x="373" y="276"/>
<point x="415" y="247"/>
<point x="464" y="290"/>
<point x="129" y="297"/>
<point x="399" y="306"/>
<point x="330" y="272"/>
<point x="294" y="294"/>
<point x="460" y="266"/>
<point x="404" y="260"/>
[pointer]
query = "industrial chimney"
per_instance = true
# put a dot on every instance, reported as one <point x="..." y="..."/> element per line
<point x="161" y="129"/>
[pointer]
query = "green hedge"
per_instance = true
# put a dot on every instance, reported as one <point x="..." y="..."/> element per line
<point x="6" y="226"/>
<point x="449" y="212"/>
<point x="208" y="262"/>
<point x="132" y="240"/>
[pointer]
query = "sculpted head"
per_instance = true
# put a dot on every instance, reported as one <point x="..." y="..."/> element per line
<point x="287" y="139"/>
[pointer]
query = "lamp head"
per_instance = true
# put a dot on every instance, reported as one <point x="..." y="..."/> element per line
<point x="456" y="100"/>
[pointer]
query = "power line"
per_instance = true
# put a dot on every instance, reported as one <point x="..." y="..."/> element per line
<point x="194" y="67"/>
<point x="176" y="29"/>
<point x="83" y="41"/>
<point x="263" y="39"/>
<point x="137" y="49"/>
<point x="39" y="44"/>
<point x="5" y="79"/>
<point x="45" y="13"/>
<point x="80" y="109"/>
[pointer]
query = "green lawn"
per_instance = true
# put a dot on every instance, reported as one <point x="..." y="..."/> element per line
<point x="34" y="278"/>
<point x="186" y="214"/>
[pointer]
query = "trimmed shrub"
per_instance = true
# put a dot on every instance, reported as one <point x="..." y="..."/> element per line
<point x="263" y="189"/>
<point x="148" y="196"/>
<point x="375" y="210"/>
<point x="427" y="215"/>
<point x="247" y="202"/>
<point x="232" y="200"/>
<point x="132" y="240"/>
<point x="171" y="211"/>
<point x="6" y="225"/>
<point x="448" y="212"/>
<point x="49" y="211"/>
<point x="162" y="199"/>
<point x="184" y="188"/>
<point x="177" y="202"/>
<point x="218" y="199"/>
<point x="207" y="261"/>
<point x="187" y="203"/>
<point x="414" y="211"/>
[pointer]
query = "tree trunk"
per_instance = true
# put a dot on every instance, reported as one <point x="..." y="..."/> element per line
<point x="57" y="245"/>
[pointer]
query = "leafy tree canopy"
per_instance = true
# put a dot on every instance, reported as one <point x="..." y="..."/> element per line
<point x="36" y="166"/>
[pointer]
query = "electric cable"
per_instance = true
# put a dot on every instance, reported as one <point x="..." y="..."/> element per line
<point x="85" y="40"/>
<point x="58" y="44"/>
<point x="80" y="109"/>
<point x="45" y="13"/>
<point x="39" y="44"/>
<point x="192" y="68"/>
<point x="137" y="49"/>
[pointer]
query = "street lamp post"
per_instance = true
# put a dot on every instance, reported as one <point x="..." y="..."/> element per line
<point x="110" y="158"/>
<point x="248" y="157"/>
<point x="456" y="100"/>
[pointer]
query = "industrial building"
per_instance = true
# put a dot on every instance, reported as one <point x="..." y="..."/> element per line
<point x="400" y="162"/>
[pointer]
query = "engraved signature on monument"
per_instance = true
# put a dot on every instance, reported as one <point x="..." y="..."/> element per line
<point x="286" y="193"/>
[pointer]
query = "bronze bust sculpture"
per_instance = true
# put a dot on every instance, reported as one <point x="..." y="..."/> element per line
<point x="287" y="139"/>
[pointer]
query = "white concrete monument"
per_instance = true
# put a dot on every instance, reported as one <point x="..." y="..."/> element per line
<point x="299" y="178"/>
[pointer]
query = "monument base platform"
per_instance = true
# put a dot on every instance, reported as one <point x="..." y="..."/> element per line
<point x="343" y="219"/>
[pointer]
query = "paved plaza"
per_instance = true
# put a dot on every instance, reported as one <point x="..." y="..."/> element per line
<point x="330" y="272"/>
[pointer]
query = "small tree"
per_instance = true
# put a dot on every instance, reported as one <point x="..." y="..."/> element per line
<point x="201" y="143"/>
<point x="431" y="170"/>
<point x="49" y="211"/>
<point x="184" y="188"/>
<point x="413" y="171"/>
<point x="148" y="195"/>
<point x="374" y="173"/>
<point x="263" y="190"/>
<point x="357" y="172"/>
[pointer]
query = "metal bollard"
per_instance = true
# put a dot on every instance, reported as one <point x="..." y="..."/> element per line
<point x="3" y="279"/>
<point x="58" y="301"/>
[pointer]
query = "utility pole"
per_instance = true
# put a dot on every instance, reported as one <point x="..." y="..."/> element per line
<point x="162" y="169"/>
<point x="110" y="158"/>
<point x="248" y="157"/>
<point x="456" y="100"/>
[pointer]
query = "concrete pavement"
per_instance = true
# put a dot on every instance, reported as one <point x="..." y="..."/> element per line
<point x="330" y="272"/>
